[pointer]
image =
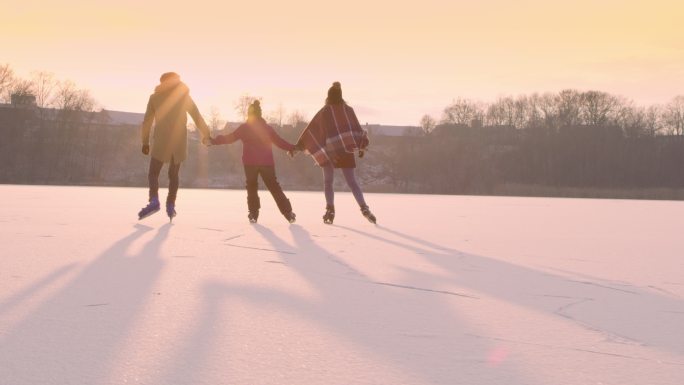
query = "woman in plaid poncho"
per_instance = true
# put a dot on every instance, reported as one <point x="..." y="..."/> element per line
<point x="331" y="138"/>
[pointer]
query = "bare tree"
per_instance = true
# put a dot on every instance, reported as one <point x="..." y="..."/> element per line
<point x="6" y="81"/>
<point x="66" y="95"/>
<point x="71" y="98"/>
<point x="21" y="87"/>
<point x="277" y="116"/>
<point x="214" y="119"/>
<point x="569" y="103"/>
<point x="296" y="119"/>
<point x="522" y="111"/>
<point x="632" y="120"/>
<point x="463" y="112"/>
<point x="507" y="111"/>
<point x="241" y="105"/>
<point x="534" y="116"/>
<point x="44" y="84"/>
<point x="427" y="123"/>
<point x="674" y="115"/>
<point x="74" y="104"/>
<point x="545" y="110"/>
<point x="599" y="108"/>
<point x="653" y="120"/>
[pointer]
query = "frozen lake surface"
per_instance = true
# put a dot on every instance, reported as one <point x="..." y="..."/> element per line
<point x="445" y="290"/>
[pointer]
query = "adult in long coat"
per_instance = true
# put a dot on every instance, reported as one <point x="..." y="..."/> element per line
<point x="168" y="108"/>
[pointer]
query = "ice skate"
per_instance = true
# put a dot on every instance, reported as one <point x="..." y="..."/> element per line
<point x="151" y="208"/>
<point x="291" y="217"/>
<point x="368" y="214"/>
<point x="170" y="210"/>
<point x="329" y="216"/>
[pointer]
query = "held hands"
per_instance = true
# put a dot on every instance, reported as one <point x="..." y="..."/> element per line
<point x="146" y="149"/>
<point x="297" y="149"/>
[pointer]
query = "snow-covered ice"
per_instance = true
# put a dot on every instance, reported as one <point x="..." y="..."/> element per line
<point x="445" y="290"/>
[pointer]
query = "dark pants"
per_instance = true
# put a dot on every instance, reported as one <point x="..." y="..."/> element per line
<point x="153" y="179"/>
<point x="328" y="178"/>
<point x="268" y="176"/>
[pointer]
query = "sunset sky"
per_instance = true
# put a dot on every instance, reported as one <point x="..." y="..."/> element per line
<point x="396" y="60"/>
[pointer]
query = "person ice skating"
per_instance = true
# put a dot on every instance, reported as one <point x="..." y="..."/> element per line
<point x="168" y="107"/>
<point x="257" y="158"/>
<point x="331" y="138"/>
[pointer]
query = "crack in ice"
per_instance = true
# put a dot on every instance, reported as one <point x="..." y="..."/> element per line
<point x="576" y="349"/>
<point x="260" y="248"/>
<point x="423" y="289"/>
<point x="602" y="286"/>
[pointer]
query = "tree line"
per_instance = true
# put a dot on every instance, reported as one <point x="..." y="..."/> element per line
<point x="539" y="144"/>
<point x="566" y="140"/>
<point x="47" y="89"/>
<point x="566" y="108"/>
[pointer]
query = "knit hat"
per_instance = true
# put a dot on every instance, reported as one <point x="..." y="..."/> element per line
<point x="169" y="76"/>
<point x="254" y="109"/>
<point x="335" y="93"/>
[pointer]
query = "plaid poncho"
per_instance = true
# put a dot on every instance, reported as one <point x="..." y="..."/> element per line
<point x="333" y="131"/>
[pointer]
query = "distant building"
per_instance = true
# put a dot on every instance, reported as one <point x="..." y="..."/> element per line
<point x="380" y="130"/>
<point x="23" y="100"/>
<point x="125" y="118"/>
<point x="451" y="129"/>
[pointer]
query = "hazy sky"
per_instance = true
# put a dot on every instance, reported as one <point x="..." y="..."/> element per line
<point x="396" y="60"/>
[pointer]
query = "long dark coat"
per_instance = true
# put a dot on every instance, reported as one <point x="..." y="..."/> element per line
<point x="168" y="107"/>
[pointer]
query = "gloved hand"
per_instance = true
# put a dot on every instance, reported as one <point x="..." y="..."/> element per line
<point x="362" y="153"/>
<point x="146" y="149"/>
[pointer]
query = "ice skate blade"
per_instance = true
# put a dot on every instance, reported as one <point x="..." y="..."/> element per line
<point x="141" y="217"/>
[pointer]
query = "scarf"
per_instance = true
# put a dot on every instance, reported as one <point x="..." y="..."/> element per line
<point x="331" y="134"/>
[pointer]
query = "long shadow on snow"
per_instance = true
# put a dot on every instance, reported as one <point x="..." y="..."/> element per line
<point x="74" y="336"/>
<point x="34" y="288"/>
<point x="625" y="314"/>
<point x="424" y="339"/>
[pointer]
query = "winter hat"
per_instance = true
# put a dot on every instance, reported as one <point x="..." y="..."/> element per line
<point x="254" y="109"/>
<point x="335" y="93"/>
<point x="169" y="76"/>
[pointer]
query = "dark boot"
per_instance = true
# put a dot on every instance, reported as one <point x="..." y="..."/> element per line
<point x="170" y="210"/>
<point x="291" y="217"/>
<point x="368" y="214"/>
<point x="329" y="216"/>
<point x="151" y="208"/>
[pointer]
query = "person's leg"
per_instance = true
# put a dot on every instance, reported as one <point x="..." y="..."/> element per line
<point x="350" y="177"/>
<point x="174" y="181"/>
<point x="252" y="185"/>
<point x="271" y="181"/>
<point x="153" y="178"/>
<point x="328" y="178"/>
